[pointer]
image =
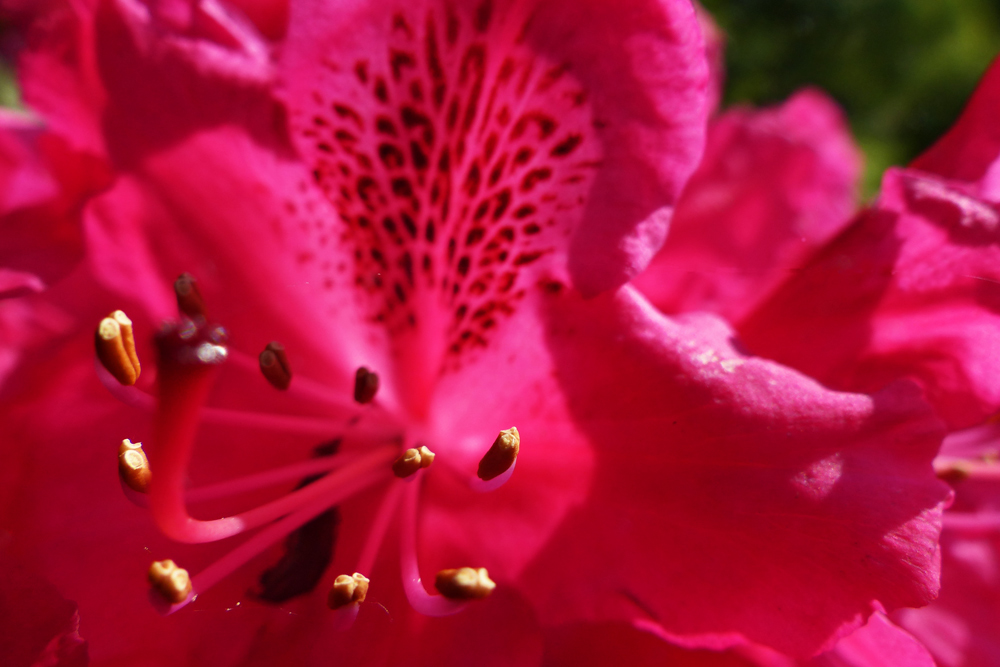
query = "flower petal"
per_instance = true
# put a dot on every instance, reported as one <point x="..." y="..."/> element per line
<point x="911" y="289"/>
<point x="463" y="142"/>
<point x="959" y="628"/>
<point x="971" y="149"/>
<point x="43" y="185"/>
<point x="37" y="625"/>
<point x="721" y="496"/>
<point x="773" y="186"/>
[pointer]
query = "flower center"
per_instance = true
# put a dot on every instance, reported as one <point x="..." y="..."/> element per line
<point x="379" y="450"/>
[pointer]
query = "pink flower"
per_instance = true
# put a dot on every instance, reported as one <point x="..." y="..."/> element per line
<point x="429" y="190"/>
<point x="774" y="185"/>
<point x="906" y="290"/>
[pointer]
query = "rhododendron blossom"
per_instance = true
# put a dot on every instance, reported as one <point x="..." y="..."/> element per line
<point x="906" y="290"/>
<point x="450" y="197"/>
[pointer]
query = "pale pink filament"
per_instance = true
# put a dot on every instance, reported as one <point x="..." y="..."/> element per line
<point x="421" y="601"/>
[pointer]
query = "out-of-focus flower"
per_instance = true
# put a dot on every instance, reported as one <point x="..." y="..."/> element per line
<point x="907" y="290"/>
<point x="773" y="186"/>
<point x="430" y="198"/>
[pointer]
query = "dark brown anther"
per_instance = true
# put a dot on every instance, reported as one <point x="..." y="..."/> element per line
<point x="365" y="385"/>
<point x="274" y="365"/>
<point x="115" y="345"/>
<point x="189" y="299"/>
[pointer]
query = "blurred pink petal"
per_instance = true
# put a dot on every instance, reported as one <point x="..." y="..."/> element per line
<point x="774" y="185"/>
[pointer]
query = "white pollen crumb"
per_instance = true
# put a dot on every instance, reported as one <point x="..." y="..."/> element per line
<point x="706" y="357"/>
<point x="729" y="365"/>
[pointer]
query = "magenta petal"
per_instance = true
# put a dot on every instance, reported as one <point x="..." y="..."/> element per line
<point x="971" y="148"/>
<point x="43" y="187"/>
<point x="475" y="139"/>
<point x="37" y="625"/>
<point x="57" y="70"/>
<point x="911" y="289"/>
<point x="960" y="628"/>
<point x="880" y="643"/>
<point x="619" y="644"/>
<point x="733" y="500"/>
<point x="772" y="187"/>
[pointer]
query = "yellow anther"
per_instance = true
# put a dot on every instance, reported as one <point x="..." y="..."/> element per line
<point x="115" y="346"/>
<point x="133" y="466"/>
<point x="464" y="583"/>
<point x="501" y="455"/>
<point x="170" y="581"/>
<point x="365" y="385"/>
<point x="274" y="365"/>
<point x="426" y="456"/>
<point x="347" y="589"/>
<point x="412" y="460"/>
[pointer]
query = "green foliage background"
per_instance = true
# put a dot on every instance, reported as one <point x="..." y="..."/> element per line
<point x="902" y="69"/>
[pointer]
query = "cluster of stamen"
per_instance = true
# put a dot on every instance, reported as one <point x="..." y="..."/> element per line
<point x="189" y="352"/>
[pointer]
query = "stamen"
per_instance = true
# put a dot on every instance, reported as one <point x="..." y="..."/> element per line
<point x="171" y="515"/>
<point x="268" y="478"/>
<point x="274" y="365"/>
<point x="411" y="461"/>
<point x="131" y="396"/>
<point x="170" y="581"/>
<point x="347" y="589"/>
<point x="419" y="598"/>
<point x="115" y="346"/>
<point x="979" y="522"/>
<point x="379" y="526"/>
<point x="304" y="387"/>
<point x="278" y="530"/>
<point x="365" y="385"/>
<point x="133" y="466"/>
<point x="189" y="299"/>
<point x="501" y="456"/>
<point x="464" y="583"/>
<point x="955" y="470"/>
